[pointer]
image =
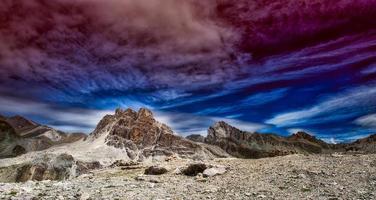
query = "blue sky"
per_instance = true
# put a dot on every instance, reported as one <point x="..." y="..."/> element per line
<point x="195" y="69"/>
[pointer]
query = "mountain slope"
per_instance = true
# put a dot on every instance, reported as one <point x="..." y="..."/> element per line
<point x="8" y="141"/>
<point x="20" y="135"/>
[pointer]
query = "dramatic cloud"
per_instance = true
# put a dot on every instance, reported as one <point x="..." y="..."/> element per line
<point x="87" y="46"/>
<point x="296" y="65"/>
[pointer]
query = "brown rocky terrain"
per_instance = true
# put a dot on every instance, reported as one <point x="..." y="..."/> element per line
<point x="288" y="177"/>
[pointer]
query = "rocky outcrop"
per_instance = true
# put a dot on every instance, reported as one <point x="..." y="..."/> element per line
<point x="47" y="167"/>
<point x="8" y="141"/>
<point x="254" y="145"/>
<point x="143" y="137"/>
<point x="19" y="135"/>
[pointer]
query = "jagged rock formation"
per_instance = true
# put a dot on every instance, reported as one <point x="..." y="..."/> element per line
<point x="142" y="136"/>
<point x="19" y="135"/>
<point x="254" y="145"/>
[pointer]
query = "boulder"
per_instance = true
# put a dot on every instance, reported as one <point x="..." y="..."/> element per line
<point x="86" y="167"/>
<point x="194" y="169"/>
<point x="155" y="170"/>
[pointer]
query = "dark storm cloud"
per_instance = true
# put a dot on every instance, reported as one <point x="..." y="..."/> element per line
<point x="84" y="46"/>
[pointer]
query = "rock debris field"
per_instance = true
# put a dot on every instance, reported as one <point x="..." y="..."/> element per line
<point x="332" y="176"/>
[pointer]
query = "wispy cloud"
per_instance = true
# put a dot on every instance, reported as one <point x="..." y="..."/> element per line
<point x="264" y="97"/>
<point x="342" y="106"/>
<point x="367" y="121"/>
<point x="185" y="123"/>
<point x="68" y="119"/>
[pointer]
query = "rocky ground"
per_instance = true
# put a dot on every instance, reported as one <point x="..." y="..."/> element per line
<point x="288" y="177"/>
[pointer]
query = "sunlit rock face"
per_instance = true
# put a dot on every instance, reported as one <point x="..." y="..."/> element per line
<point x="142" y="136"/>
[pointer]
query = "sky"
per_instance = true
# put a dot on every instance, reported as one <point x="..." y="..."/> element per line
<point x="278" y="66"/>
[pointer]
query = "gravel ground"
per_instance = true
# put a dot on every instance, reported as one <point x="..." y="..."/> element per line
<point x="289" y="177"/>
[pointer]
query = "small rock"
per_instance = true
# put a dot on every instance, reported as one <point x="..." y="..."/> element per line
<point x="177" y="171"/>
<point x="154" y="180"/>
<point x="214" y="171"/>
<point x="140" y="178"/>
<point x="303" y="176"/>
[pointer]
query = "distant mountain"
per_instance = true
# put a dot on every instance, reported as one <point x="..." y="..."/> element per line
<point x="364" y="145"/>
<point x="244" y="144"/>
<point x="142" y="137"/>
<point x="255" y="145"/>
<point x="19" y="135"/>
<point x="196" y="138"/>
<point x="21" y="124"/>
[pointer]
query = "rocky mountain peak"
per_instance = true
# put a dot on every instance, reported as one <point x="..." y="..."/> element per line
<point x="145" y="113"/>
<point x="302" y="135"/>
<point x="140" y="135"/>
<point x="125" y="113"/>
<point x="222" y="130"/>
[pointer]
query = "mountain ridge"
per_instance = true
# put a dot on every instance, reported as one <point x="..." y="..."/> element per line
<point x="243" y="144"/>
